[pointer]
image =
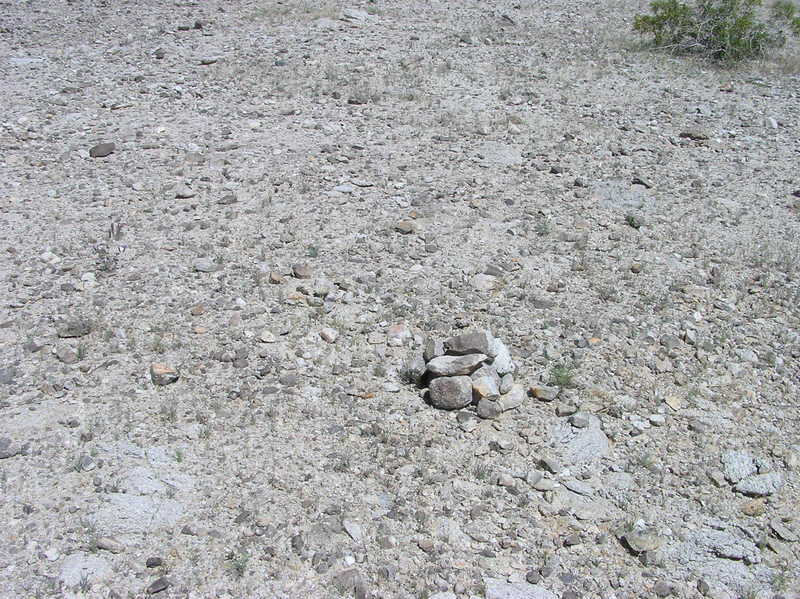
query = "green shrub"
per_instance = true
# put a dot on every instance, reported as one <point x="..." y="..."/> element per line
<point x="725" y="30"/>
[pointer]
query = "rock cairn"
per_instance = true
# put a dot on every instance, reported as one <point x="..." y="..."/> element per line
<point x="473" y="368"/>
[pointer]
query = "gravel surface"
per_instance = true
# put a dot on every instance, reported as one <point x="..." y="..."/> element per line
<point x="257" y="255"/>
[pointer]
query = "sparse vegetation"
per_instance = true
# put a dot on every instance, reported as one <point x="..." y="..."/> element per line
<point x="561" y="375"/>
<point x="783" y="577"/>
<point x="542" y="226"/>
<point x="633" y="221"/>
<point x="724" y="30"/>
<point x="647" y="461"/>
<point x="239" y="562"/>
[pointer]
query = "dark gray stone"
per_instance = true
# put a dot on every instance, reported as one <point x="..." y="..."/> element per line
<point x="102" y="150"/>
<point x="83" y="568"/>
<point x="472" y="342"/>
<point x="499" y="589"/>
<point x="451" y="392"/>
<point x="544" y="393"/>
<point x="488" y="408"/>
<point x="158" y="585"/>
<point x="456" y="365"/>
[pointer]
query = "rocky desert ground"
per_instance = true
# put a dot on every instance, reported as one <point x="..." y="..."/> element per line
<point x="413" y="299"/>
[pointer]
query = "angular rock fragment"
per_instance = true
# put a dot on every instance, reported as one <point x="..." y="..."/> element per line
<point x="184" y="192"/>
<point x="398" y="335"/>
<point x="347" y="580"/>
<point x="489" y="408"/>
<point x="784" y="532"/>
<point x="485" y="383"/>
<point x="158" y="585"/>
<point x="760" y="485"/>
<point x="737" y="465"/>
<point x="67" y="355"/>
<point x="102" y="150"/>
<point x="405" y="227"/>
<point x="433" y="349"/>
<point x="473" y="342"/>
<point x="451" y="392"/>
<point x="544" y="393"/>
<point x="482" y="282"/>
<point x="499" y="589"/>
<point x="642" y="541"/>
<point x="456" y="365"/>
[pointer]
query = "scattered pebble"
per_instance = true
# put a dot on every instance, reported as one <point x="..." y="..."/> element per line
<point x="162" y="374"/>
<point x="102" y="150"/>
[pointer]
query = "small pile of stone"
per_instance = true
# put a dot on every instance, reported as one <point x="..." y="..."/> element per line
<point x="471" y="368"/>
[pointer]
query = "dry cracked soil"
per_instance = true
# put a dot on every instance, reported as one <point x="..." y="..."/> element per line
<point x="230" y="230"/>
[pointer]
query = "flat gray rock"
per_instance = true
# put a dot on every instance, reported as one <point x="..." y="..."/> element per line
<point x="433" y="348"/>
<point x="492" y="153"/>
<point x="489" y="408"/>
<point x="84" y="568"/>
<point x="725" y="544"/>
<point x="581" y="445"/>
<point x="456" y="365"/>
<point x="513" y="399"/>
<point x="621" y="196"/>
<point x="502" y="361"/>
<point x="472" y="342"/>
<point x="499" y="589"/>
<point x="583" y="508"/>
<point x="8" y="448"/>
<point x="142" y="480"/>
<point x="205" y="265"/>
<point x="760" y="485"/>
<point x="123" y="513"/>
<point x="737" y="465"/>
<point x="102" y="150"/>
